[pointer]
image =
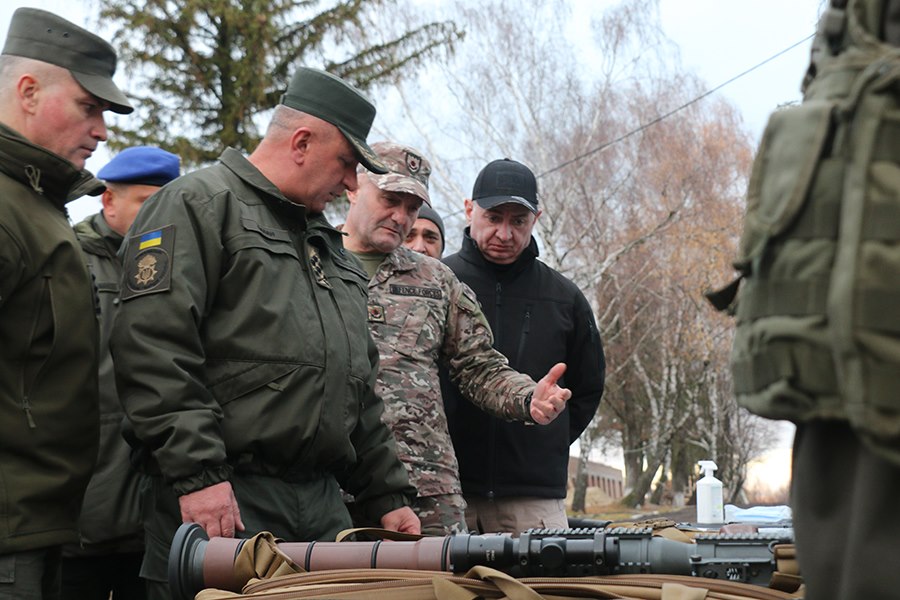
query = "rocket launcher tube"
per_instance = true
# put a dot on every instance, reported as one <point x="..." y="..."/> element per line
<point x="196" y="562"/>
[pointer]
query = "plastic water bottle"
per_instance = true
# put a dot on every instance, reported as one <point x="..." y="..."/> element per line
<point x="710" y="508"/>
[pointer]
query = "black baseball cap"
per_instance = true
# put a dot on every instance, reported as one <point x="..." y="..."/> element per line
<point x="332" y="99"/>
<point x="44" y="36"/>
<point x="503" y="181"/>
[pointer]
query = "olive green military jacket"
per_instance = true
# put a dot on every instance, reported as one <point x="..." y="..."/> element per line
<point x="422" y="317"/>
<point x="242" y="343"/>
<point x="110" y="518"/>
<point x="48" y="352"/>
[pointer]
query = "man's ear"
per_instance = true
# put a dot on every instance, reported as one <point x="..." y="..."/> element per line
<point x="468" y="206"/>
<point x="109" y="205"/>
<point x="537" y="214"/>
<point x="27" y="89"/>
<point x="300" y="141"/>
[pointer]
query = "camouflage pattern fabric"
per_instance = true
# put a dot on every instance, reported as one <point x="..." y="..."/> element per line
<point x="441" y="515"/>
<point x="408" y="170"/>
<point x="421" y="316"/>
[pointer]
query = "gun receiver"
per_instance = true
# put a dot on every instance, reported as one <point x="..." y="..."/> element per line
<point x="196" y="562"/>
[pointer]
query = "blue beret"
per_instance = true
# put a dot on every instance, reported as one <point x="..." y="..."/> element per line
<point x="147" y="165"/>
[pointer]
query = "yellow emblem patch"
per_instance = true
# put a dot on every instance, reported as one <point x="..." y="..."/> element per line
<point x="148" y="263"/>
<point x="147" y="272"/>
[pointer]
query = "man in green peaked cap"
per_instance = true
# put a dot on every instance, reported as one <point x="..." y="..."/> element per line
<point x="43" y="36"/>
<point x="55" y="85"/>
<point x="332" y="99"/>
<point x="243" y="357"/>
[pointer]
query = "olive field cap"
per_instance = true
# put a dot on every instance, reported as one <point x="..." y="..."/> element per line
<point x="504" y="181"/>
<point x="141" y="165"/>
<point x="408" y="170"/>
<point x="44" y="36"/>
<point x="332" y="99"/>
<point x="429" y="214"/>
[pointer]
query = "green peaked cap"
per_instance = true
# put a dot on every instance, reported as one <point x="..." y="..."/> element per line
<point x="332" y="99"/>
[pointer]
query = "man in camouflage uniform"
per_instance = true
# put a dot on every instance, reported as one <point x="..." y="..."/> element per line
<point x="421" y="316"/>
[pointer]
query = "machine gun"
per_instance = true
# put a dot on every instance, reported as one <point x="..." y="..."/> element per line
<point x="196" y="562"/>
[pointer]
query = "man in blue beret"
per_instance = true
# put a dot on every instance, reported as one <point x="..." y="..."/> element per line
<point x="108" y="557"/>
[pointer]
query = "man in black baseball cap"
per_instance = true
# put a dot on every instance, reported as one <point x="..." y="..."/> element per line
<point x="506" y="181"/>
<point x="55" y="84"/>
<point x="514" y="477"/>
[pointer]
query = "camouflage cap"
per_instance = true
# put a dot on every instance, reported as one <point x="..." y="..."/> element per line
<point x="408" y="170"/>
<point x="332" y="99"/>
<point x="44" y="36"/>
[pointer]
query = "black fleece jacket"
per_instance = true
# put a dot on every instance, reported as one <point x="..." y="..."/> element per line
<point x="538" y="318"/>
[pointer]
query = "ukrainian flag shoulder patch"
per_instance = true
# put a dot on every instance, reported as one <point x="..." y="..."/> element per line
<point x="148" y="240"/>
<point x="148" y="262"/>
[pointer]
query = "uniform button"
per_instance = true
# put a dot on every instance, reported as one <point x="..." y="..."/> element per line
<point x="115" y="301"/>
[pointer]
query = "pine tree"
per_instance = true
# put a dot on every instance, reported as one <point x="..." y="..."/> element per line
<point x="202" y="72"/>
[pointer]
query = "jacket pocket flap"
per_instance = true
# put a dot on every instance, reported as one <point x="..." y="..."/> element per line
<point x="231" y="379"/>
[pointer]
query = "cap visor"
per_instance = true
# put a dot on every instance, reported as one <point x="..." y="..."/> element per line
<point x="366" y="156"/>
<point x="495" y="201"/>
<point x="407" y="185"/>
<point x="105" y="89"/>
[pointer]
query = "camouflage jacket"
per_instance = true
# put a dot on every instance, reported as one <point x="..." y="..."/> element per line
<point x="422" y="317"/>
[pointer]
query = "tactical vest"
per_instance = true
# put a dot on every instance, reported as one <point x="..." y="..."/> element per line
<point x="818" y="311"/>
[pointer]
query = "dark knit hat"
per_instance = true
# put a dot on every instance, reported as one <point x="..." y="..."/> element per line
<point x="426" y="212"/>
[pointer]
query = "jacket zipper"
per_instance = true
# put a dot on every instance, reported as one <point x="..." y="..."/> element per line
<point x="26" y="406"/>
<point x="526" y="327"/>
<point x="26" y="386"/>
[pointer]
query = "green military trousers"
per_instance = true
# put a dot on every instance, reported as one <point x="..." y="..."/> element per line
<point x="304" y="511"/>
<point x="844" y="500"/>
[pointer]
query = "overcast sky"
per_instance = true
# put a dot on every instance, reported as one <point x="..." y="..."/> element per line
<point x="718" y="39"/>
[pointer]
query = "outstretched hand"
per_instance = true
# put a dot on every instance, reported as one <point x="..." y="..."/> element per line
<point x="548" y="399"/>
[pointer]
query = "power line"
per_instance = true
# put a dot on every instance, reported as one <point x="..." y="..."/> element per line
<point x="672" y="112"/>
